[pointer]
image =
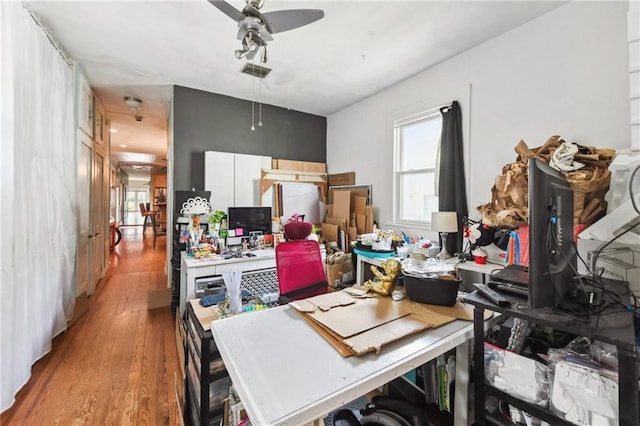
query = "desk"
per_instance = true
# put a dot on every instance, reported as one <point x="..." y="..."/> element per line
<point x="192" y="268"/>
<point x="486" y="270"/>
<point x="287" y="374"/>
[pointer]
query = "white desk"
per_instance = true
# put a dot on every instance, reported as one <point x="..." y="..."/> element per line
<point x="192" y="268"/>
<point x="486" y="270"/>
<point x="287" y="374"/>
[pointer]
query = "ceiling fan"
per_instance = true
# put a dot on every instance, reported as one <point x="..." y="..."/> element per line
<point x="255" y="28"/>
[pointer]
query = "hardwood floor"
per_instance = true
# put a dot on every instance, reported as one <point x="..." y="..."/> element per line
<point x="118" y="364"/>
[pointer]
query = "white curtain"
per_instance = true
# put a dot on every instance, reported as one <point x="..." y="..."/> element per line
<point x="38" y="229"/>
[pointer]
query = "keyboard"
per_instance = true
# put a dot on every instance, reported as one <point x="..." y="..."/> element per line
<point x="507" y="287"/>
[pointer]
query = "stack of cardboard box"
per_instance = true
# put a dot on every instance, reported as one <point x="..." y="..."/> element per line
<point x="349" y="212"/>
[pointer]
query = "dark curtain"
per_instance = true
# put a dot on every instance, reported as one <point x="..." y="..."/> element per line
<point x="452" y="190"/>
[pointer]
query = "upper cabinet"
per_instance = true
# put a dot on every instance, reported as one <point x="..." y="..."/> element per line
<point x="99" y="123"/>
<point x="85" y="105"/>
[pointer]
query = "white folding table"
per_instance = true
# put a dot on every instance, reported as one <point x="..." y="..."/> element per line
<point x="285" y="373"/>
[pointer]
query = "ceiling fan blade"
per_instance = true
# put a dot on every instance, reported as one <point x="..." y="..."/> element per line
<point x="285" y="20"/>
<point x="227" y="9"/>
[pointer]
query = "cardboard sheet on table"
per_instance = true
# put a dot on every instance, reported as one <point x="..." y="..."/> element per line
<point x="324" y="302"/>
<point x="374" y="339"/>
<point x="331" y="339"/>
<point x="459" y="311"/>
<point x="360" y="316"/>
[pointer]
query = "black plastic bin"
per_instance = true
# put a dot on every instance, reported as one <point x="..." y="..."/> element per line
<point x="431" y="290"/>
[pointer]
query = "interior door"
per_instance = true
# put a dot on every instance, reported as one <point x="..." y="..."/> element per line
<point x="85" y="158"/>
<point x="98" y="217"/>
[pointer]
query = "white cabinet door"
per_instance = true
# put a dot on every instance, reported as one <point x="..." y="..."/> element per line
<point x="99" y="210"/>
<point x="234" y="179"/>
<point x="98" y="122"/>
<point x="85" y="105"/>
<point x="219" y="176"/>
<point x="247" y="179"/>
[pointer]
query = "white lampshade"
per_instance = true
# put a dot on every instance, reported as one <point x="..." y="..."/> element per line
<point x="444" y="221"/>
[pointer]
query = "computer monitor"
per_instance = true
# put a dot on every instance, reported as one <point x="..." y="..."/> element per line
<point x="250" y="219"/>
<point x="552" y="254"/>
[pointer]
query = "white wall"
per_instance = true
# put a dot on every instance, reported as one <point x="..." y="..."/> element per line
<point x="564" y="73"/>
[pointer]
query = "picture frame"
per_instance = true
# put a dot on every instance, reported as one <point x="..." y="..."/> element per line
<point x="253" y="238"/>
<point x="160" y="195"/>
<point x="277" y="239"/>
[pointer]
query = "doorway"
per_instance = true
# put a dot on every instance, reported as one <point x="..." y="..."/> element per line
<point x="132" y="209"/>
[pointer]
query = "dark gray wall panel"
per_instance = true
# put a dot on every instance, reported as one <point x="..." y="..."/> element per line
<point x="206" y="121"/>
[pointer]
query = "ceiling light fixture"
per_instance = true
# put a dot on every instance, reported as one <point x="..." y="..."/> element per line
<point x="138" y="119"/>
<point x="132" y="102"/>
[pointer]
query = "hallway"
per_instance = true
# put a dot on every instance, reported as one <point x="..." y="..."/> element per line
<point x="118" y="364"/>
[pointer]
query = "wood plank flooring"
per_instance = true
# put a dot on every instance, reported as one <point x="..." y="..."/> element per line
<point x="118" y="364"/>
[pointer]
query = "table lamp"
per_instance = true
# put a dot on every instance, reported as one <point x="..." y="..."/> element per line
<point x="444" y="223"/>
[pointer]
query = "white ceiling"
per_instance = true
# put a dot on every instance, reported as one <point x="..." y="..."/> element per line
<point x="142" y="48"/>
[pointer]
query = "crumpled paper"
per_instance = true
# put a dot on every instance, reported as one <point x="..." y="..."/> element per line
<point x="563" y="158"/>
<point x="509" y="196"/>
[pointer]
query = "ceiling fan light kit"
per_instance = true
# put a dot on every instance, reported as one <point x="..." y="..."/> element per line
<point x="133" y="103"/>
<point x="256" y="28"/>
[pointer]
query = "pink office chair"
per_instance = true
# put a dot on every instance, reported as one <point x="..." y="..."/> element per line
<point x="300" y="270"/>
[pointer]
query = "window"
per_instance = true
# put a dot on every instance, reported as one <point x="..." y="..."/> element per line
<point x="416" y="159"/>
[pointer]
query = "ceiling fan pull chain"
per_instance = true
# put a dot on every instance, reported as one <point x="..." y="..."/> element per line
<point x="253" y="81"/>
<point x="260" y="106"/>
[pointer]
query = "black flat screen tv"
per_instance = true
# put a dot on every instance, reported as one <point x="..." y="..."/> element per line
<point x="552" y="254"/>
<point x="250" y="219"/>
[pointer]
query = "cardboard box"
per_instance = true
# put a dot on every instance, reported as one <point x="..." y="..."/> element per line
<point x="342" y="204"/>
<point x="302" y="166"/>
<point x="342" y="179"/>
<point x="310" y="166"/>
<point x="368" y="228"/>
<point x="355" y="191"/>
<point x="329" y="232"/>
<point x="341" y="274"/>
<point x="159" y="298"/>
<point x="358" y="204"/>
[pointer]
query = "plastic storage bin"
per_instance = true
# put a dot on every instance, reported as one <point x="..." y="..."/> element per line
<point x="431" y="290"/>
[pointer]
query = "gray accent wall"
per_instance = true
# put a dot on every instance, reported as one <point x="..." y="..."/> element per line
<point x="205" y="121"/>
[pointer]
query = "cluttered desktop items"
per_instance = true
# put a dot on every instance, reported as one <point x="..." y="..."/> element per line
<point x="232" y="234"/>
<point x="551" y="278"/>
